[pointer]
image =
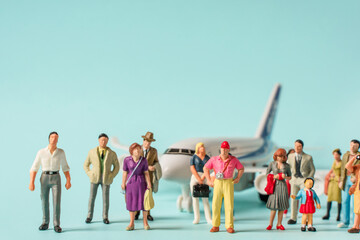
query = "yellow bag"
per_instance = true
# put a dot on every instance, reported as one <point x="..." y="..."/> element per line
<point x="148" y="200"/>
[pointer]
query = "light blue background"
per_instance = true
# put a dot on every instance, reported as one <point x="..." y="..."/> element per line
<point x="180" y="69"/>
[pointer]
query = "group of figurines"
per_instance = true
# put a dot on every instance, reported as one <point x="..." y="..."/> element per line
<point x="290" y="175"/>
<point x="141" y="174"/>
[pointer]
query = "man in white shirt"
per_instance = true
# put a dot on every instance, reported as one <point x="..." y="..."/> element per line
<point x="50" y="159"/>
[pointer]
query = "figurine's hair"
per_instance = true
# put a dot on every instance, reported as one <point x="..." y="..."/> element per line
<point x="53" y="133"/>
<point x="198" y="145"/>
<point x="337" y="150"/>
<point x="103" y="135"/>
<point x="355" y="141"/>
<point x="280" y="152"/>
<point x="300" y="141"/>
<point x="290" y="150"/>
<point x="310" y="178"/>
<point x="133" y="146"/>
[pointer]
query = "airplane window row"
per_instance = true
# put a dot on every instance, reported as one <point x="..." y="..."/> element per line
<point x="179" y="151"/>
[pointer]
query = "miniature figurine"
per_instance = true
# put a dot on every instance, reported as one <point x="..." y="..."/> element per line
<point x="332" y="190"/>
<point x="150" y="154"/>
<point x="102" y="159"/>
<point x="346" y="181"/>
<point x="279" y="200"/>
<point x="302" y="166"/>
<point x="308" y="196"/>
<point x="50" y="159"/>
<point x="288" y="181"/>
<point x="197" y="162"/>
<point x="135" y="181"/>
<point x="223" y="166"/>
<point x="355" y="189"/>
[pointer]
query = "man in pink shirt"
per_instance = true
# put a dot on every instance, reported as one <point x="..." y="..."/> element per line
<point x="223" y="166"/>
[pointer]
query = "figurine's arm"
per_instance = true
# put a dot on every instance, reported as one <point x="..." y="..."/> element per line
<point x="349" y="166"/>
<point x="196" y="174"/>
<point x="32" y="180"/>
<point x="312" y="167"/>
<point x="239" y="175"/>
<point x="342" y="175"/>
<point x="116" y="165"/>
<point x="68" y="183"/>
<point x="156" y="160"/>
<point x="207" y="175"/>
<point x="147" y="178"/>
<point x="298" y="196"/>
<point x="317" y="200"/>
<point x="87" y="165"/>
<point x="124" y="177"/>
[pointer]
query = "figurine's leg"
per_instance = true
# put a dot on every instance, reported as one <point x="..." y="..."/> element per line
<point x="207" y="210"/>
<point x="45" y="189"/>
<point x="310" y="220"/>
<point x="294" y="203"/>
<point x="195" y="201"/>
<point x="56" y="193"/>
<point x="106" y="201"/>
<point x="280" y="218"/>
<point x="196" y="210"/>
<point x="216" y="203"/>
<point x="145" y="221"/>
<point x="328" y="209"/>
<point x="339" y="212"/>
<point x="272" y="217"/>
<point x="93" y="191"/>
<point x="229" y="203"/>
<point x="304" y="219"/>
<point x="346" y="203"/>
<point x="132" y="219"/>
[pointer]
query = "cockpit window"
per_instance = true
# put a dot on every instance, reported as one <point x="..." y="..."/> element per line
<point x="179" y="151"/>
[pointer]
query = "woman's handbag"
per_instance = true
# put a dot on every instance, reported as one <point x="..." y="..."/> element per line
<point x="148" y="200"/>
<point x="269" y="189"/>
<point x="201" y="191"/>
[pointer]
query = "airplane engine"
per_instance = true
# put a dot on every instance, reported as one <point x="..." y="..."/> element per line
<point x="261" y="181"/>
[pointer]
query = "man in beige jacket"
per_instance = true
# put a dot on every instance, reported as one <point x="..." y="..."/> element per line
<point x="102" y="158"/>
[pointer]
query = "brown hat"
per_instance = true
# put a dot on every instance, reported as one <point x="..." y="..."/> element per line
<point x="149" y="136"/>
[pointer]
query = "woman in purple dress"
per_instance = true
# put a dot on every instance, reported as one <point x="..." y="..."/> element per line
<point x="135" y="182"/>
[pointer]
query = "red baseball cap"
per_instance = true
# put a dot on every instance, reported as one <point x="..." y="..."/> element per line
<point x="225" y="144"/>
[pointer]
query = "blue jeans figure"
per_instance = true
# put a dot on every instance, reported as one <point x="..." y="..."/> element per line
<point x="346" y="202"/>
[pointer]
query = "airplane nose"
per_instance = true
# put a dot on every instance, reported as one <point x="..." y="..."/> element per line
<point x="175" y="167"/>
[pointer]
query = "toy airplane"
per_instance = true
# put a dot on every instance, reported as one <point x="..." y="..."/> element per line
<point x="253" y="153"/>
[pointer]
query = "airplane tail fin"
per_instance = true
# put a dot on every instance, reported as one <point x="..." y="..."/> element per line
<point x="266" y="124"/>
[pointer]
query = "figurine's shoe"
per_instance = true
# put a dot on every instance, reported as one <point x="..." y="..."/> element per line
<point x="269" y="227"/>
<point x="281" y="227"/>
<point x="230" y="230"/>
<point x="303" y="229"/>
<point x="44" y="226"/>
<point x="88" y="220"/>
<point x="57" y="229"/>
<point x="326" y="217"/>
<point x="130" y="228"/>
<point x="311" y="229"/>
<point x="214" y="229"/>
<point x="106" y="221"/>
<point x="137" y="215"/>
<point x="342" y="225"/>
<point x="196" y="221"/>
<point x="353" y="230"/>
<point x="291" y="221"/>
<point x="150" y="218"/>
<point x="147" y="227"/>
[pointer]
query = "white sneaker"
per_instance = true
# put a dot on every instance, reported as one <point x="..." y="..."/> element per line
<point x="342" y="225"/>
